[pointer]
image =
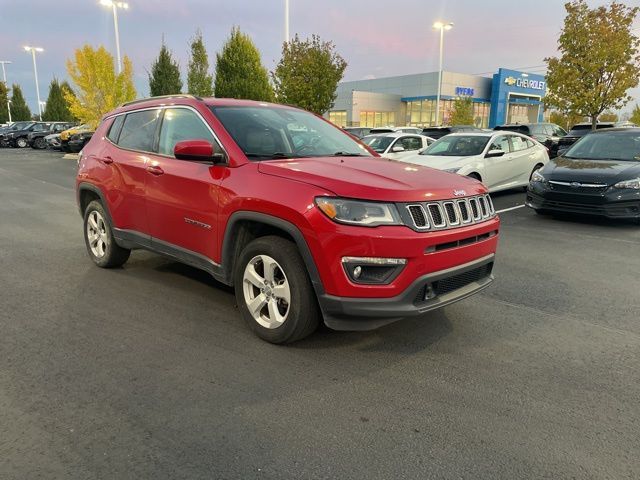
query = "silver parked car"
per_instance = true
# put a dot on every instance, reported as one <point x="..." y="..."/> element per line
<point x="501" y="160"/>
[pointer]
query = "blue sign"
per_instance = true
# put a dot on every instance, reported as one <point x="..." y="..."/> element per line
<point x="465" y="91"/>
<point x="511" y="87"/>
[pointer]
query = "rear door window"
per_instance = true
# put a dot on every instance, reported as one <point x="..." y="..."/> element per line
<point x="138" y="130"/>
<point x="518" y="143"/>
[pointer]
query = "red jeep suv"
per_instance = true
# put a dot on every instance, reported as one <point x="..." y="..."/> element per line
<point x="303" y="220"/>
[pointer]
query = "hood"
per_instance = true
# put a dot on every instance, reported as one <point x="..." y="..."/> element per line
<point x="591" y="171"/>
<point x="372" y="178"/>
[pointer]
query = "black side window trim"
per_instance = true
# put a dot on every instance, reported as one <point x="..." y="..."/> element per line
<point x="117" y="134"/>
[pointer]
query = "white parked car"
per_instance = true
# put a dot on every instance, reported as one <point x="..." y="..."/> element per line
<point x="397" y="145"/>
<point x="501" y="160"/>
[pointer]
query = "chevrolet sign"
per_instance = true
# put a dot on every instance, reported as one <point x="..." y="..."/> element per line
<point x="525" y="83"/>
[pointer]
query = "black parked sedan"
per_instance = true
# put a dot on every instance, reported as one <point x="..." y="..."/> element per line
<point x="598" y="175"/>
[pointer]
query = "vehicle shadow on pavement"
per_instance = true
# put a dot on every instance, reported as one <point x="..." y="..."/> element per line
<point x="403" y="337"/>
<point x="590" y="220"/>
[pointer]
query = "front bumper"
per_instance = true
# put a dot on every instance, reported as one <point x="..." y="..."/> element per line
<point x="428" y="292"/>
<point x="610" y="203"/>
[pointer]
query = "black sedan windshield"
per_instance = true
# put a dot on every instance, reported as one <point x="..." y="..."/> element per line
<point x="457" y="146"/>
<point x="607" y="146"/>
<point x="268" y="132"/>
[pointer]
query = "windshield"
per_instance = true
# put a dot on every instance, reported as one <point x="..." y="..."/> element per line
<point x="607" y="146"/>
<point x="378" y="144"/>
<point x="457" y="146"/>
<point x="20" y="126"/>
<point x="267" y="132"/>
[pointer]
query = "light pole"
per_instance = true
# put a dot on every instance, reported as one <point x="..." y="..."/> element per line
<point x="442" y="26"/>
<point x="4" y="77"/>
<point x="33" y="51"/>
<point x="286" y="20"/>
<point x="115" y="6"/>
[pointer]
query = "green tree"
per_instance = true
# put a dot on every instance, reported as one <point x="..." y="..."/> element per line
<point x="599" y="60"/>
<point x="635" y="115"/>
<point x="199" y="81"/>
<point x="462" y="112"/>
<point x="565" y="120"/>
<point x="99" y="89"/>
<point x="164" y="78"/>
<point x="19" y="108"/>
<point x="608" y="117"/>
<point x="308" y="74"/>
<point x="4" y="103"/>
<point x="57" y="108"/>
<point x="239" y="70"/>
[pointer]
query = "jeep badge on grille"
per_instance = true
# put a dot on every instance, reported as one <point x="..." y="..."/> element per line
<point x="459" y="193"/>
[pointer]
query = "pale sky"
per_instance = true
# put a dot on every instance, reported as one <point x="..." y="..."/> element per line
<point x="376" y="38"/>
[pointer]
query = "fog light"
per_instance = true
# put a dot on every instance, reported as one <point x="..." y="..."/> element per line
<point x="357" y="272"/>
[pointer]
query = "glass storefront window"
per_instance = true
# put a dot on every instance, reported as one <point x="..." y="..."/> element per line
<point x="377" y="119"/>
<point x="338" y="117"/>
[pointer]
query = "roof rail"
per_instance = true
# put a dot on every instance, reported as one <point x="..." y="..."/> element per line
<point x="178" y="95"/>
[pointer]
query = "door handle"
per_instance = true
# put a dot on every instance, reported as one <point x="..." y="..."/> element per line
<point x="155" y="170"/>
<point x="106" y="160"/>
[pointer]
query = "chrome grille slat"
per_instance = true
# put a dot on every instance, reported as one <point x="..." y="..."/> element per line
<point x="450" y="213"/>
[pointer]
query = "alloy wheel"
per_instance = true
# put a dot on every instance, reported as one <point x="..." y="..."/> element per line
<point x="97" y="234"/>
<point x="266" y="291"/>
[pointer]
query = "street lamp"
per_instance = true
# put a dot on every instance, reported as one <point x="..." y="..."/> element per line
<point x="115" y="6"/>
<point x="286" y="20"/>
<point x="442" y="26"/>
<point x="33" y="51"/>
<point x="4" y="77"/>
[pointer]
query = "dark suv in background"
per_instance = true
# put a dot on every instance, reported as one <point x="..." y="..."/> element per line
<point x="36" y="140"/>
<point x="548" y="134"/>
<point x="578" y="131"/>
<point x="439" y="132"/>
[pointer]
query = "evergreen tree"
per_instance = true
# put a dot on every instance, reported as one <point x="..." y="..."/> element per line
<point x="199" y="81"/>
<point x="57" y="108"/>
<point x="239" y="70"/>
<point x="19" y="108"/>
<point x="164" y="78"/>
<point x="308" y="74"/>
<point x="635" y="115"/>
<point x="4" y="102"/>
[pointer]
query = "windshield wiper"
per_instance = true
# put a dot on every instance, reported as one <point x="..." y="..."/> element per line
<point x="348" y="154"/>
<point x="268" y="155"/>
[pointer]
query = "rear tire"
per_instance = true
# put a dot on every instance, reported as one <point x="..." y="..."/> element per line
<point x="99" y="239"/>
<point x="273" y="291"/>
<point x="21" y="142"/>
<point x="39" y="143"/>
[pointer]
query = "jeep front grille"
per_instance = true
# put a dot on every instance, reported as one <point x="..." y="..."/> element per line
<point x="450" y="213"/>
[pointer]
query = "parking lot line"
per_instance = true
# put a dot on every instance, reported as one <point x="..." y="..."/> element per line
<point x="510" y="208"/>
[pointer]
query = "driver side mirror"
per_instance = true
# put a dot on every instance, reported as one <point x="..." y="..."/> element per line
<point x="197" y="151"/>
<point x="397" y="149"/>
<point x="494" y="153"/>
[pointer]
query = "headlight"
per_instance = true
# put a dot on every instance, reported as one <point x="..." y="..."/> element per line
<point x="357" y="212"/>
<point x="633" y="184"/>
<point x="537" y="177"/>
<point x="451" y="170"/>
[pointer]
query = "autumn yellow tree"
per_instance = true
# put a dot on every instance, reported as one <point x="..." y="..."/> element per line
<point x="98" y="88"/>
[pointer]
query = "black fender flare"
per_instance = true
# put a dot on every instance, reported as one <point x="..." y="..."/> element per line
<point x="228" y="243"/>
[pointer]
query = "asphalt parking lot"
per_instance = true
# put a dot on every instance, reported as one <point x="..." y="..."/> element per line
<point x="149" y="372"/>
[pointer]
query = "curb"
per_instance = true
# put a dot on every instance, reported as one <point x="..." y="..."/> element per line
<point x="71" y="156"/>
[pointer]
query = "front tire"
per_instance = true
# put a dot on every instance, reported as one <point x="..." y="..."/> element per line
<point x="39" y="143"/>
<point x="99" y="239"/>
<point x="273" y="291"/>
<point x="22" y="142"/>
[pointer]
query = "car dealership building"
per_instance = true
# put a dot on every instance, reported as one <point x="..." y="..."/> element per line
<point x="509" y="96"/>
